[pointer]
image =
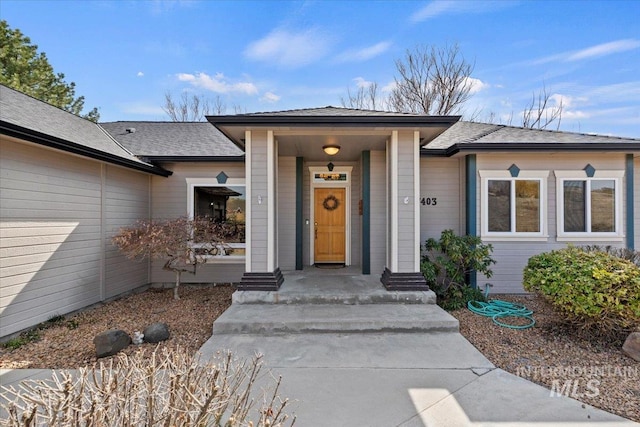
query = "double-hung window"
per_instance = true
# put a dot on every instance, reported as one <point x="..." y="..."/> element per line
<point x="220" y="203"/>
<point x="589" y="207"/>
<point x="514" y="206"/>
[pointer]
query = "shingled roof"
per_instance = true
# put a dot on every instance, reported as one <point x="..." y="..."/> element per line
<point x="174" y="140"/>
<point x="30" y="119"/>
<point x="470" y="136"/>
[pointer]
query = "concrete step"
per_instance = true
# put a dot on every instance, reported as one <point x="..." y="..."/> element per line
<point x="333" y="296"/>
<point x="275" y="319"/>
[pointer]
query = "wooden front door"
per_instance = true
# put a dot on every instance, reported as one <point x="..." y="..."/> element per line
<point x="329" y="227"/>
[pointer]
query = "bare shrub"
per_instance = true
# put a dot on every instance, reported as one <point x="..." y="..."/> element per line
<point x="168" y="389"/>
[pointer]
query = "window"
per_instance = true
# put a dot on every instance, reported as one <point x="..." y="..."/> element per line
<point x="220" y="204"/>
<point x="514" y="206"/>
<point x="589" y="206"/>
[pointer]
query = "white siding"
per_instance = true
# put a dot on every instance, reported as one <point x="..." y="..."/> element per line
<point x="378" y="212"/>
<point x="440" y="180"/>
<point x="512" y="256"/>
<point x="287" y="213"/>
<point x="126" y="201"/>
<point x="406" y="213"/>
<point x="169" y="200"/>
<point x="57" y="213"/>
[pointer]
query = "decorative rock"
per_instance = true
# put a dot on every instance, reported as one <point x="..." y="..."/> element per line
<point x="631" y="346"/>
<point x="156" y="332"/>
<point x="138" y="337"/>
<point x="110" y="342"/>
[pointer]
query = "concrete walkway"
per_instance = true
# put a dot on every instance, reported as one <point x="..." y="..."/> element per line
<point x="352" y="354"/>
<point x="383" y="364"/>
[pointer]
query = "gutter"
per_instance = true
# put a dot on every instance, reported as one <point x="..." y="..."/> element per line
<point x="19" y="132"/>
<point x="529" y="147"/>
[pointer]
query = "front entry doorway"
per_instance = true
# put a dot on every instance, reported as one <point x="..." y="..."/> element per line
<point x="330" y="225"/>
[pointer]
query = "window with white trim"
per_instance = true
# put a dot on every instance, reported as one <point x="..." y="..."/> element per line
<point x="221" y="203"/>
<point x="589" y="206"/>
<point x="514" y="206"/>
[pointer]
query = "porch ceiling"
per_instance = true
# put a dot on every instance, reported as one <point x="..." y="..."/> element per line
<point x="309" y="145"/>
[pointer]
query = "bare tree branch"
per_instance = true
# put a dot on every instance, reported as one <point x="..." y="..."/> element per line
<point x="192" y="108"/>
<point x="435" y="81"/>
<point x="538" y="114"/>
<point x="365" y="98"/>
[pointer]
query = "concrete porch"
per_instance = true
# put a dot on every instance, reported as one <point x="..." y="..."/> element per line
<point x="346" y="285"/>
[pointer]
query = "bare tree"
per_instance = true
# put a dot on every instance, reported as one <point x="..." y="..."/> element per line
<point x="432" y="80"/>
<point x="192" y="108"/>
<point x="184" y="243"/>
<point x="365" y="98"/>
<point x="538" y="114"/>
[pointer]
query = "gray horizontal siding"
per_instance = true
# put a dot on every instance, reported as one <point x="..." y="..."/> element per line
<point x="50" y="228"/>
<point x="287" y="213"/>
<point x="126" y="201"/>
<point x="378" y="212"/>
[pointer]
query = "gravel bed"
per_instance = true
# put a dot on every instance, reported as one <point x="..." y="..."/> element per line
<point x="548" y="354"/>
<point x="70" y="344"/>
<point x="551" y="354"/>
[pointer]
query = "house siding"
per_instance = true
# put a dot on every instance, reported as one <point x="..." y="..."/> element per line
<point x="378" y="199"/>
<point x="406" y="212"/>
<point x="287" y="213"/>
<point x="127" y="200"/>
<point x="441" y="181"/>
<point x="57" y="213"/>
<point x="512" y="256"/>
<point x="169" y="200"/>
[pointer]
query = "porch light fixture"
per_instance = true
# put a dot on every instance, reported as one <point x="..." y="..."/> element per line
<point x="330" y="167"/>
<point x="331" y="149"/>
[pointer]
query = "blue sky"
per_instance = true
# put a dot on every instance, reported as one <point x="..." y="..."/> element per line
<point x="276" y="55"/>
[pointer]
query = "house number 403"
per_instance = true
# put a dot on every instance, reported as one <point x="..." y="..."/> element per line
<point x="428" y="201"/>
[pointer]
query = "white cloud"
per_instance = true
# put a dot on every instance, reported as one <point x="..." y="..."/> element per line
<point x="595" y="51"/>
<point x="357" y="55"/>
<point x="270" y="97"/>
<point x="217" y="83"/>
<point x="361" y="82"/>
<point x="289" y="49"/>
<point x="442" y="7"/>
<point x="605" y="49"/>
<point x="389" y="86"/>
<point x="476" y="85"/>
<point x="140" y="74"/>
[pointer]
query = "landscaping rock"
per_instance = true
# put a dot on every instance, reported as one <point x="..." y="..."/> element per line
<point x="156" y="332"/>
<point x="110" y="342"/>
<point x="631" y="346"/>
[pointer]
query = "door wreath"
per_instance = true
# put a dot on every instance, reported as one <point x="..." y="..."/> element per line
<point x="331" y="203"/>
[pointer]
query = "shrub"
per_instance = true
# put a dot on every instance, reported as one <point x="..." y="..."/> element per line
<point x="172" y="389"/>
<point x="446" y="264"/>
<point x="593" y="289"/>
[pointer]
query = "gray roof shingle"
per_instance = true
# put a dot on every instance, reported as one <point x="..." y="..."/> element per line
<point x="173" y="139"/>
<point x="329" y="111"/>
<point x="470" y="135"/>
<point x="45" y="123"/>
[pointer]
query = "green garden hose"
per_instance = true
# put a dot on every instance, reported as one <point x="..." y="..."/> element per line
<point x="498" y="309"/>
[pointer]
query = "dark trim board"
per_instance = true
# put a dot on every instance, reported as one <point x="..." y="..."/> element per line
<point x="71" y="147"/>
<point x="299" y="214"/>
<point x="629" y="180"/>
<point x="366" y="212"/>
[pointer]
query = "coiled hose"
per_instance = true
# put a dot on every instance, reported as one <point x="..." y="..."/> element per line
<point x="498" y="309"/>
